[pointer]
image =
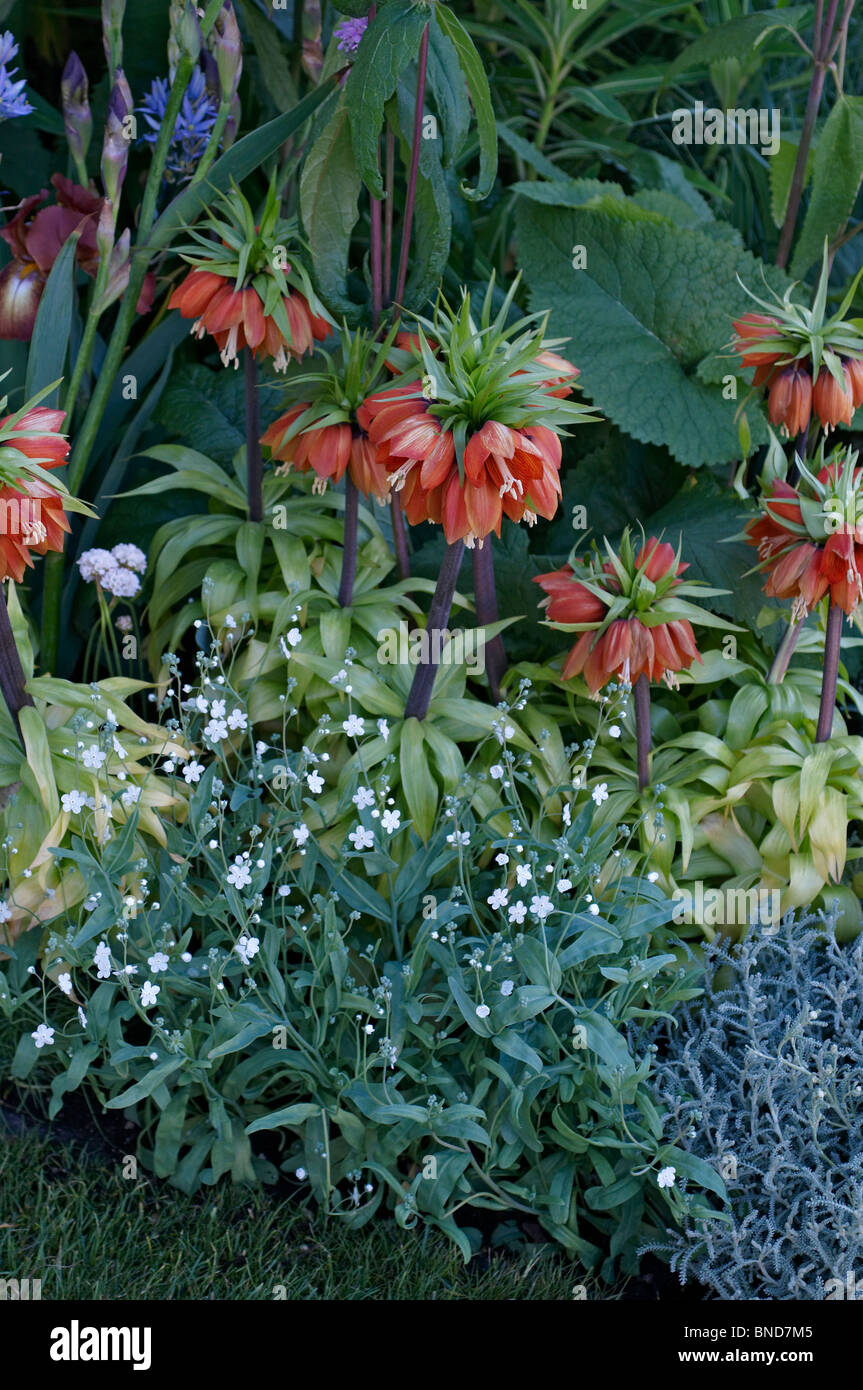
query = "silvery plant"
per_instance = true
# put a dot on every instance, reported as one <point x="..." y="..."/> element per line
<point x="763" y="1075"/>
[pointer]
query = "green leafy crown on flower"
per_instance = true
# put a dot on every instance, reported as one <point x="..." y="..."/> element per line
<point x="829" y="499"/>
<point x="354" y="372"/>
<point x="472" y="372"/>
<point x="253" y="253"/>
<point x="627" y="590"/>
<point x="15" y="466"/>
<point x="807" y="333"/>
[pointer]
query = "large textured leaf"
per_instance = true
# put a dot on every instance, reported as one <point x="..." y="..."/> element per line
<point x="649" y="318"/>
<point x="329" y="193"/>
<point x="208" y="410"/>
<point x="389" y="45"/>
<point x="837" y="169"/>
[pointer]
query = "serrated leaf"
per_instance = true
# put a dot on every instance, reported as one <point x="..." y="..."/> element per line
<point x="837" y="169"/>
<point x="652" y="302"/>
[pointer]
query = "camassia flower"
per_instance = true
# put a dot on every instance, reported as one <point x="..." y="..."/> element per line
<point x="806" y="362"/>
<point x="466" y="440"/>
<point x="810" y="537"/>
<point x="32" y="517"/>
<point x="631" y="612"/>
<point x="244" y="291"/>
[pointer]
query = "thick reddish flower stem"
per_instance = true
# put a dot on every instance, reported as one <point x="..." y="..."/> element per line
<point x="831" y="673"/>
<point x="423" y="681"/>
<point x="414" y="167"/>
<point x="486" y="612"/>
<point x="642" y="729"/>
<point x="254" y="465"/>
<point x="349" y="552"/>
<point x="12" y="678"/>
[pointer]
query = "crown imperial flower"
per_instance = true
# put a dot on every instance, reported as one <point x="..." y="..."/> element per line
<point x="243" y="290"/>
<point x="470" y="431"/>
<point x="631" y="611"/>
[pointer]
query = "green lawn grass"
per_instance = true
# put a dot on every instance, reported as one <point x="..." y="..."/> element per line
<point x="69" y="1218"/>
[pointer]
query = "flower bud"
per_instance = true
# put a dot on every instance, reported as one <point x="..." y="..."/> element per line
<point x="113" y="12"/>
<point x="105" y="228"/>
<point x="228" y="48"/>
<point x="184" y="39"/>
<point x="118" y="270"/>
<point x="76" y="108"/>
<point x="115" y="149"/>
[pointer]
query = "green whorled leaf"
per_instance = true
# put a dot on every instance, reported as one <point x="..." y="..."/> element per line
<point x="53" y="324"/>
<point x="737" y="38"/>
<point x="419" y="786"/>
<point x="477" y="82"/>
<point x="329" y="191"/>
<point x="389" y="45"/>
<point x="236" y="164"/>
<point x="447" y="85"/>
<point x="652" y="302"/>
<point x="837" y="170"/>
<point x="272" y="59"/>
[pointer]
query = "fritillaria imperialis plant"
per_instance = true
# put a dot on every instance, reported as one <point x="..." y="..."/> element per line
<point x="246" y="293"/>
<point x="810" y="545"/>
<point x="470" y="433"/>
<point x="635" y="621"/>
<point x="806" y="362"/>
<point x="325" y="434"/>
<point x="33" y="518"/>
